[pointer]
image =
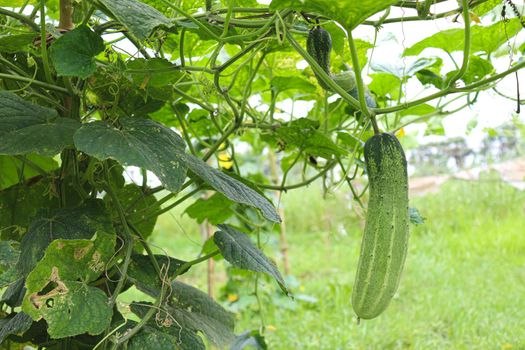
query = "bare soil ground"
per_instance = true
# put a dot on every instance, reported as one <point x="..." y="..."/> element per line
<point x="512" y="172"/>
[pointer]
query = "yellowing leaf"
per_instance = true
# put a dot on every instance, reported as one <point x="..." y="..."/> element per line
<point x="474" y="17"/>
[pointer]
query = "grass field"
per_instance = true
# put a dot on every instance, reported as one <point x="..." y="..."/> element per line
<point x="463" y="286"/>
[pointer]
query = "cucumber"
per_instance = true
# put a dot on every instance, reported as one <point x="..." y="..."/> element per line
<point x="319" y="46"/>
<point x="385" y="239"/>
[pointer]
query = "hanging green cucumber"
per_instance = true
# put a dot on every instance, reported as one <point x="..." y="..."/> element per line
<point x="319" y="46"/>
<point x="385" y="239"/>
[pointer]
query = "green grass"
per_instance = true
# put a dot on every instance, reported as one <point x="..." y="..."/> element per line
<point x="463" y="286"/>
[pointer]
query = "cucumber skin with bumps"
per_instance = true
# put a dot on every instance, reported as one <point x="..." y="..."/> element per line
<point x="319" y="46"/>
<point x="385" y="239"/>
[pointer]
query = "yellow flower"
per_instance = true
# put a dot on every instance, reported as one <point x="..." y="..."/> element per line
<point x="271" y="328"/>
<point x="233" y="297"/>
<point x="400" y="132"/>
<point x="225" y="161"/>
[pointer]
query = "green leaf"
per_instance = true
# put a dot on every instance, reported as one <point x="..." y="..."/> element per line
<point x="73" y="54"/>
<point x="230" y="187"/>
<point x="280" y="84"/>
<point x="140" y="142"/>
<point x="215" y="209"/>
<point x="18" y="204"/>
<point x="132" y="194"/>
<point x="478" y="68"/>
<point x="195" y="310"/>
<point x="9" y="254"/>
<point x="147" y="144"/>
<point x="12" y="3"/>
<point x="190" y="311"/>
<point x="16" y="325"/>
<point x="421" y="109"/>
<point x="166" y="334"/>
<point x="385" y="85"/>
<point x="143" y="274"/>
<point x="486" y="7"/>
<point x="238" y="249"/>
<point x="349" y="13"/>
<point x="483" y="39"/>
<point x="250" y="340"/>
<point x="55" y="294"/>
<point x="29" y="128"/>
<point x="402" y="71"/>
<point x="140" y="18"/>
<point x="157" y="72"/>
<point x="68" y="223"/>
<point x="16" y="42"/>
<point x="303" y="134"/>
<point x="13" y="169"/>
<point x="415" y="216"/>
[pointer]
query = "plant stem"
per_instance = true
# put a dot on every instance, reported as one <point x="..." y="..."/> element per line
<point x="128" y="238"/>
<point x="321" y="73"/>
<point x="43" y="42"/>
<point x="466" y="47"/>
<point x="25" y="20"/>
<point x="359" y="83"/>
<point x="450" y="90"/>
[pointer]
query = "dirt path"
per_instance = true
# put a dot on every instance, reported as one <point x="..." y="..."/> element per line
<point x="512" y="172"/>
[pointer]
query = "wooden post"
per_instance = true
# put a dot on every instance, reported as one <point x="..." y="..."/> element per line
<point x="283" y="243"/>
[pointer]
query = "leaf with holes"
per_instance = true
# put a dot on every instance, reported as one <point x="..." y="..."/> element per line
<point x="29" y="128"/>
<point x="68" y="223"/>
<point x="58" y="290"/>
<point x="238" y="250"/>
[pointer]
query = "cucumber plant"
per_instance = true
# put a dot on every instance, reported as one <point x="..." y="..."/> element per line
<point x="189" y="97"/>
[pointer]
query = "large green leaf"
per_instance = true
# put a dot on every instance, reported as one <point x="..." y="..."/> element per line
<point x="73" y="54"/>
<point x="68" y="223"/>
<point x="147" y="144"/>
<point x="18" y="204"/>
<point x="483" y="39"/>
<point x="58" y="290"/>
<point x="29" y="128"/>
<point x="347" y="12"/>
<point x="195" y="310"/>
<point x="191" y="310"/>
<point x="139" y="142"/>
<point x="230" y="187"/>
<point x="143" y="274"/>
<point x="140" y="18"/>
<point x="238" y="249"/>
<point x="14" y="169"/>
<point x="165" y="334"/>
